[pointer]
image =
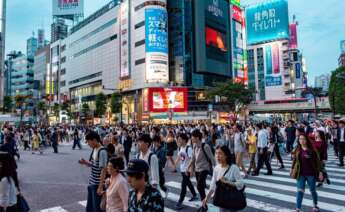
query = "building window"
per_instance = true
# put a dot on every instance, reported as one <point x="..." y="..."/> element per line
<point x="140" y="24"/>
<point x="63" y="59"/>
<point x="99" y="44"/>
<point x="139" y="43"/>
<point x="63" y="71"/>
<point x="85" y="78"/>
<point x="63" y="48"/>
<point x="149" y="3"/>
<point x="140" y="61"/>
<point x="63" y="83"/>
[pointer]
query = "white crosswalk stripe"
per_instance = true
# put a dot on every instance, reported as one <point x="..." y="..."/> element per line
<point x="275" y="193"/>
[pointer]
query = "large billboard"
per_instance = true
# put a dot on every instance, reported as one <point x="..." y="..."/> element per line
<point x="272" y="63"/>
<point x="267" y="21"/>
<point x="156" y="29"/>
<point x="68" y="7"/>
<point x="168" y="99"/>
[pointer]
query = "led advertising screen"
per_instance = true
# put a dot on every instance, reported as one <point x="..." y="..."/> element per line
<point x="236" y="2"/>
<point x="237" y="14"/>
<point x="215" y="39"/>
<point x="68" y="7"/>
<point x="272" y="64"/>
<point x="167" y="99"/>
<point x="267" y="21"/>
<point x="293" y="36"/>
<point x="156" y="29"/>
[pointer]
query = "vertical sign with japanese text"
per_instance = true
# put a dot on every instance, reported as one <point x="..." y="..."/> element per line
<point x="267" y="21"/>
<point x="156" y="30"/>
<point x="124" y="40"/>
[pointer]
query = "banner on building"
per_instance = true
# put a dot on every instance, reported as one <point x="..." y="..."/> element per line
<point x="273" y="80"/>
<point x="156" y="30"/>
<point x="267" y="21"/>
<point x="293" y="36"/>
<point x="68" y="7"/>
<point x="168" y="99"/>
<point x="124" y="40"/>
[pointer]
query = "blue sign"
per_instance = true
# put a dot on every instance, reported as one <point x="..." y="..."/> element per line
<point x="269" y="67"/>
<point x="156" y="26"/>
<point x="298" y="70"/>
<point x="273" y="81"/>
<point x="267" y="21"/>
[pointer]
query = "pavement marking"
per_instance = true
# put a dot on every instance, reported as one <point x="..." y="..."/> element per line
<point x="331" y="174"/>
<point x="55" y="209"/>
<point x="327" y="168"/>
<point x="250" y="203"/>
<point x="327" y="164"/>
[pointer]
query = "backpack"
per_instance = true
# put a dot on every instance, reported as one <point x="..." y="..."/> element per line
<point x="149" y="160"/>
<point x="187" y="147"/>
<point x="101" y="149"/>
<point x="210" y="172"/>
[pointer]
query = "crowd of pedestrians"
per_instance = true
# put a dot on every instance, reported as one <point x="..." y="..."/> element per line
<point x="128" y="163"/>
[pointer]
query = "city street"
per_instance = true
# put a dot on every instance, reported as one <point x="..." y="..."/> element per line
<point x="56" y="183"/>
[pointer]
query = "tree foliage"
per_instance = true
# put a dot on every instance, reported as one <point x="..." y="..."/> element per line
<point x="41" y="106"/>
<point x="115" y="103"/>
<point x="316" y="93"/>
<point x="85" y="108"/>
<point x="56" y="109"/>
<point x="231" y="94"/>
<point x="8" y="104"/>
<point x="101" y="104"/>
<point x="336" y="91"/>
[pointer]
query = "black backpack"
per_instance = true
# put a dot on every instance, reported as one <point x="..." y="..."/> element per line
<point x="210" y="172"/>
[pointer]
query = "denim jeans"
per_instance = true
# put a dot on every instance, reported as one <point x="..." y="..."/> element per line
<point x="311" y="180"/>
<point x="93" y="199"/>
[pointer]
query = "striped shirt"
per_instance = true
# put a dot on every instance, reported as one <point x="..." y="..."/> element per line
<point x="98" y="159"/>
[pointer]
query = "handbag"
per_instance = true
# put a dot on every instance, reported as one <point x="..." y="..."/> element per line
<point x="22" y="204"/>
<point x="228" y="197"/>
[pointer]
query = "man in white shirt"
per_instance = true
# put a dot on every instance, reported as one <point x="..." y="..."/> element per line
<point x="341" y="142"/>
<point x="263" y="156"/>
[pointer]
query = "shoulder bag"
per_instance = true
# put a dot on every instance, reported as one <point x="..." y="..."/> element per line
<point x="228" y="197"/>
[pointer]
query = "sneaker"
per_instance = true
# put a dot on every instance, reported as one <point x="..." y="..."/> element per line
<point x="328" y="181"/>
<point x="194" y="198"/>
<point x="281" y="167"/>
<point x="179" y="206"/>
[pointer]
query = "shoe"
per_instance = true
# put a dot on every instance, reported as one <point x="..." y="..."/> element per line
<point x="179" y="206"/>
<point x="194" y="198"/>
<point x="166" y="193"/>
<point x="255" y="174"/>
<point x="328" y="181"/>
<point x="340" y="165"/>
<point x="281" y="167"/>
<point x="319" y="185"/>
<point x="269" y="173"/>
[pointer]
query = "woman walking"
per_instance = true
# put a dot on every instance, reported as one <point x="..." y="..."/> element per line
<point x="227" y="172"/>
<point x="35" y="143"/>
<point x="320" y="145"/>
<point x="306" y="167"/>
<point x="240" y="148"/>
<point x="171" y="147"/>
<point x="251" y="141"/>
<point x="117" y="192"/>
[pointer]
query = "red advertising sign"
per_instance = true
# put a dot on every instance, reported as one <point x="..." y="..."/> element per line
<point x="168" y="99"/>
<point x="237" y="14"/>
<point x="293" y="36"/>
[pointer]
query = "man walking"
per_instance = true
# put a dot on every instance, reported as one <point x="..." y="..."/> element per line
<point x="341" y="142"/>
<point x="54" y="140"/>
<point x="262" y="150"/>
<point x="97" y="163"/>
<point x="290" y="135"/>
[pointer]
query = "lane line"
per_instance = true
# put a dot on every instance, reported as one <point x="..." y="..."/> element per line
<point x="55" y="209"/>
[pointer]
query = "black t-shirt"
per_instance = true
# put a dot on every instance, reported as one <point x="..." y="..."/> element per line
<point x="290" y="134"/>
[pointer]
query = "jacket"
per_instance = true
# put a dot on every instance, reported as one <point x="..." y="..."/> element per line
<point x="296" y="163"/>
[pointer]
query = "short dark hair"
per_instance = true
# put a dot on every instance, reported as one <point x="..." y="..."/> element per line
<point x="117" y="163"/>
<point x="145" y="138"/>
<point x="183" y="136"/>
<point x="110" y="149"/>
<point x="156" y="138"/>
<point x="196" y="133"/>
<point x="93" y="135"/>
<point x="229" y="157"/>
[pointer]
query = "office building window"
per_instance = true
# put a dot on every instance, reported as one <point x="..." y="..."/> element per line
<point x="99" y="44"/>
<point x="140" y="24"/>
<point x="139" y="43"/>
<point x="63" y="71"/>
<point x="63" y="83"/>
<point x="140" y="61"/>
<point x="149" y="3"/>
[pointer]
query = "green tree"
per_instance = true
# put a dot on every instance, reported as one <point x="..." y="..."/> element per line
<point x="115" y="103"/>
<point x="316" y="93"/>
<point x="7" y="104"/>
<point x="101" y="104"/>
<point x="336" y="91"/>
<point x="20" y="101"/>
<point x="85" y="108"/>
<point x="230" y="94"/>
<point x="41" y="106"/>
<point x="56" y="109"/>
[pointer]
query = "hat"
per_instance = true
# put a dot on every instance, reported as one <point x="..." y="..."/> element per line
<point x="137" y="166"/>
<point x="145" y="138"/>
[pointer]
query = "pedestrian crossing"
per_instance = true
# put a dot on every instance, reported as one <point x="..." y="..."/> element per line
<point x="276" y="193"/>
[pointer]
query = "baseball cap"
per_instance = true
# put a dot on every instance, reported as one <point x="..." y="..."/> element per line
<point x="137" y="166"/>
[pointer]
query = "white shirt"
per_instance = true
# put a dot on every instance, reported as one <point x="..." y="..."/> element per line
<point x="233" y="175"/>
<point x="262" y="139"/>
<point x="342" y="131"/>
<point x="154" y="166"/>
<point x="8" y="192"/>
<point x="185" y="157"/>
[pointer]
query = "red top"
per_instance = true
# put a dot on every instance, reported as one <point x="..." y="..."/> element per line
<point x="321" y="148"/>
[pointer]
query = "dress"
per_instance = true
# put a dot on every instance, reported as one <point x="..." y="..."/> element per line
<point x="35" y="142"/>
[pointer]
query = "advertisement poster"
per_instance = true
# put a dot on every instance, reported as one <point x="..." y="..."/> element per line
<point x="269" y="68"/>
<point x="156" y="28"/>
<point x="293" y="36"/>
<point x="124" y="40"/>
<point x="298" y="70"/>
<point x="275" y="58"/>
<point x="167" y="99"/>
<point x="68" y="7"/>
<point x="215" y="39"/>
<point x="273" y="81"/>
<point x="267" y="21"/>
<point x="236" y="2"/>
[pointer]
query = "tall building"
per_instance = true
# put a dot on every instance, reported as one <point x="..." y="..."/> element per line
<point x="59" y="30"/>
<point x="41" y="70"/>
<point x="323" y="81"/>
<point x="274" y="61"/>
<point x="341" y="60"/>
<point x="8" y="71"/>
<point x="31" y="47"/>
<point x="2" y="46"/>
<point x="41" y="40"/>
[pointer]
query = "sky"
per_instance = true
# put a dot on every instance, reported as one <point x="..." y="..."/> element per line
<point x="321" y="27"/>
